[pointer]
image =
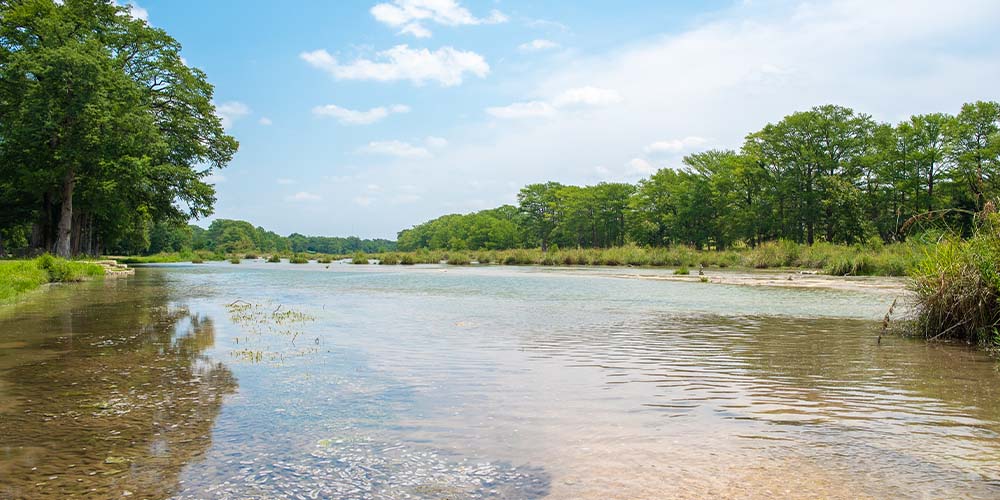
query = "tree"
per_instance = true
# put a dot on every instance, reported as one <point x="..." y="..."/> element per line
<point x="102" y="122"/>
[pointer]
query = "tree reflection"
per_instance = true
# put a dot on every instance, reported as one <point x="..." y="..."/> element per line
<point x="121" y="400"/>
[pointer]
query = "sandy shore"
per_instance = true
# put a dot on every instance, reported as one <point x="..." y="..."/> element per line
<point x="788" y="279"/>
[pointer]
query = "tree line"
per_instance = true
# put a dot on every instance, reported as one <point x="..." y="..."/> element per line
<point x="105" y="131"/>
<point x="826" y="174"/>
<point x="226" y="236"/>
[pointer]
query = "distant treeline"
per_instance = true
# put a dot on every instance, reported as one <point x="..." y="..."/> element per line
<point x="228" y="236"/>
<point x="827" y="174"/>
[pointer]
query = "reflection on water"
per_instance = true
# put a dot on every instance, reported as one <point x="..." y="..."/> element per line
<point x="433" y="382"/>
<point x="106" y="397"/>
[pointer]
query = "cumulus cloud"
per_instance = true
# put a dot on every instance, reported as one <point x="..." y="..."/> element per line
<point x="538" y="45"/>
<point x="436" y="142"/>
<point x="447" y="66"/>
<point x="529" y="109"/>
<point x="352" y="117"/>
<point x="264" y="121"/>
<point x="304" y="196"/>
<point x="675" y="145"/>
<point x="641" y="166"/>
<point x="409" y="16"/>
<point x="587" y="96"/>
<point x="575" y="97"/>
<point x="398" y="149"/>
<point x="231" y="111"/>
<point x="214" y="178"/>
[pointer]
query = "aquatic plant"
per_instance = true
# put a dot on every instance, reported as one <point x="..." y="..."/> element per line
<point x="388" y="259"/>
<point x="298" y="259"/>
<point x="406" y="260"/>
<point x="274" y="259"/>
<point x="234" y="260"/>
<point x="682" y="270"/>
<point x="359" y="258"/>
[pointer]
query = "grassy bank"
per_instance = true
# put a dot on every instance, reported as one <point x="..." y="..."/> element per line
<point x="18" y="277"/>
<point x="958" y="288"/>
<point x="840" y="260"/>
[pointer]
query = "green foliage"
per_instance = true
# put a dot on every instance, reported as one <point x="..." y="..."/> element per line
<point x="274" y="258"/>
<point x="359" y="258"/>
<point x="20" y="276"/>
<point x="458" y="259"/>
<point x="298" y="259"/>
<point x="958" y="288"/>
<point x="389" y="259"/>
<point x="682" y="270"/>
<point x="106" y="132"/>
<point x="234" y="260"/>
<point x="407" y="260"/>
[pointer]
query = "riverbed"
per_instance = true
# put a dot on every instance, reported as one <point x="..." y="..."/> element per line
<point x="350" y="381"/>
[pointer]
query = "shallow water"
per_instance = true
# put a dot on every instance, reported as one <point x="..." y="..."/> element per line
<point x="313" y="381"/>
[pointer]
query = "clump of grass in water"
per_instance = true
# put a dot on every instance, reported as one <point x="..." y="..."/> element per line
<point x="274" y="259"/>
<point x="682" y="270"/>
<point x="458" y="259"/>
<point x="958" y="287"/>
<point x="359" y="258"/>
<point x="234" y="260"/>
<point x="389" y="259"/>
<point x="407" y="260"/>
<point x="324" y="260"/>
<point x="298" y="259"/>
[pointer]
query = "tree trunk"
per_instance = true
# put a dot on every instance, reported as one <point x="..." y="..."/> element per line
<point x="63" y="241"/>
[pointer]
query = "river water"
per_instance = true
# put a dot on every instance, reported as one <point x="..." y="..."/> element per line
<point x="342" y="381"/>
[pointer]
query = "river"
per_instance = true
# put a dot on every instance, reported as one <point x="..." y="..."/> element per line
<point x="343" y="381"/>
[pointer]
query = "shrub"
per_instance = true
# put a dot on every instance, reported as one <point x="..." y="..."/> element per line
<point x="407" y="260"/>
<point x="458" y="259"/>
<point x="389" y="259"/>
<point x="682" y="270"/>
<point x="359" y="258"/>
<point x="958" y="289"/>
<point x="298" y="259"/>
<point x="234" y="260"/>
<point x="251" y="256"/>
<point x="274" y="259"/>
<point x="197" y="260"/>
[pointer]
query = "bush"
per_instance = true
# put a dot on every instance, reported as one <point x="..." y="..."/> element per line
<point x="234" y="260"/>
<point x="458" y="259"/>
<point x="958" y="288"/>
<point x="298" y="259"/>
<point x="197" y="260"/>
<point x="359" y="258"/>
<point x="62" y="270"/>
<point x="682" y="270"/>
<point x="251" y="256"/>
<point x="389" y="259"/>
<point x="274" y="259"/>
<point x="407" y="260"/>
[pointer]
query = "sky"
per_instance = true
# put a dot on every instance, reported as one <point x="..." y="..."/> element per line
<point x="366" y="117"/>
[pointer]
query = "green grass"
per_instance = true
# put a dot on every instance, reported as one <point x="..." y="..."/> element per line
<point x="274" y="259"/>
<point x="298" y="259"/>
<point x="359" y="258"/>
<point x="196" y="257"/>
<point x="21" y="276"/>
<point x="957" y="286"/>
<point x="872" y="259"/>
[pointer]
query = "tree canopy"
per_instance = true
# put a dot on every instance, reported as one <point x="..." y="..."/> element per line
<point x="104" y="130"/>
<point x="826" y="174"/>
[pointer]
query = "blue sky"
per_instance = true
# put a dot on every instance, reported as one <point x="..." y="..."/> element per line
<point x="367" y="117"/>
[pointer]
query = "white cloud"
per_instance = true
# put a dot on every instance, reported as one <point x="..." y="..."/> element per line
<point x="675" y="145"/>
<point x="572" y="98"/>
<point x="399" y="149"/>
<point x="587" y="96"/>
<point x="264" y="121"/>
<point x="446" y="65"/>
<point x="537" y="45"/>
<point x="352" y="117"/>
<point x="137" y="12"/>
<point x="304" y="196"/>
<point x="641" y="166"/>
<point x="408" y="15"/>
<point x="214" y="178"/>
<point x="285" y="182"/>
<point x="231" y="111"/>
<point x="363" y="201"/>
<point x="530" y="109"/>
<point x="436" y="142"/>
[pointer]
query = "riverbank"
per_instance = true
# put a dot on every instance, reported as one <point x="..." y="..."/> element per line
<point x="18" y="277"/>
<point x="838" y="260"/>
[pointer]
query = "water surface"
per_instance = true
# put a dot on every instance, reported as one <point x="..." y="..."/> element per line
<point x="314" y="381"/>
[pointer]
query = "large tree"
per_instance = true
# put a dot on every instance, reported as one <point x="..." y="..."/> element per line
<point x="103" y="128"/>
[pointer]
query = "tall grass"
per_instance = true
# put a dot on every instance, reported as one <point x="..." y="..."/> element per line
<point x="359" y="258"/>
<point x="957" y="286"/>
<point x="21" y="276"/>
<point x="842" y="260"/>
